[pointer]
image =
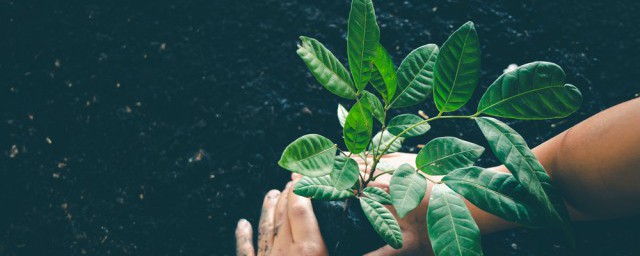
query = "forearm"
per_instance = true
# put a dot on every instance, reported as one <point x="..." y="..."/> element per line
<point x="595" y="165"/>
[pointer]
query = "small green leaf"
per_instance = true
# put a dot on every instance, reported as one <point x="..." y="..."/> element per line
<point x="445" y="154"/>
<point x="452" y="230"/>
<point x="384" y="78"/>
<point x="496" y="193"/>
<point x="342" y="114"/>
<point x="345" y="172"/>
<point x="407" y="188"/>
<point x="532" y="91"/>
<point x="310" y="155"/>
<point x="326" y="68"/>
<point x="363" y="36"/>
<point x="415" y="76"/>
<point x="377" y="194"/>
<point x="376" y="106"/>
<point x="513" y="152"/>
<point x="408" y="121"/>
<point x="457" y="69"/>
<point x="382" y="222"/>
<point x="320" y="188"/>
<point x="358" y="127"/>
<point x="379" y="144"/>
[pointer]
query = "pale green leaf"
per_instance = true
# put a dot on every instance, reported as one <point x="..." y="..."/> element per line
<point x="452" y="230"/>
<point x="382" y="222"/>
<point x="415" y="76"/>
<point x="445" y="154"/>
<point x="363" y="36"/>
<point x="407" y="188"/>
<point x="320" y="188"/>
<point x="413" y="123"/>
<point x="380" y="143"/>
<point x="496" y="193"/>
<point x="342" y="114"/>
<point x="533" y="91"/>
<point x="358" y="127"/>
<point x="377" y="194"/>
<point x="345" y="172"/>
<point x="457" y="69"/>
<point x="384" y="78"/>
<point x="310" y="155"/>
<point x="326" y="68"/>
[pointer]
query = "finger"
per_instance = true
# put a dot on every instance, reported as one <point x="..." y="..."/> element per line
<point x="267" y="222"/>
<point x="244" y="242"/>
<point x="304" y="226"/>
<point x="282" y="230"/>
<point x="295" y="176"/>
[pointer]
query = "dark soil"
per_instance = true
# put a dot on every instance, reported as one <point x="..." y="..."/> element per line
<point x="130" y="128"/>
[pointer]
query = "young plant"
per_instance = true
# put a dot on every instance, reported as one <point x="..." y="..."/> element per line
<point x="450" y="73"/>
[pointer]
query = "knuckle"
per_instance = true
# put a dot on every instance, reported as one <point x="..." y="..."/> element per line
<point x="298" y="210"/>
<point x="308" y="249"/>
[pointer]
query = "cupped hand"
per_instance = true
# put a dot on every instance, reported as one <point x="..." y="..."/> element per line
<point x="287" y="226"/>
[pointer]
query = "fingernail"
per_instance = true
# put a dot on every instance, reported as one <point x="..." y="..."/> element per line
<point x="273" y="193"/>
<point x="288" y="185"/>
<point x="242" y="223"/>
<point x="295" y="176"/>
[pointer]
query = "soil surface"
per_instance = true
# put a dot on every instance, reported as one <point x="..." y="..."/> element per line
<point x="150" y="129"/>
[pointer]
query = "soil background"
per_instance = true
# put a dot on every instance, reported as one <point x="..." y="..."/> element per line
<point x="151" y="127"/>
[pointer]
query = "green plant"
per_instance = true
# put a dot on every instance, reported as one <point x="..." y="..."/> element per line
<point x="450" y="73"/>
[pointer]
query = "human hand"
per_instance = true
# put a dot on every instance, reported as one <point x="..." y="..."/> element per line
<point x="287" y="226"/>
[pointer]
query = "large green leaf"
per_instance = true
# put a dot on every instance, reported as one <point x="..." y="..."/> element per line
<point x="345" y="172"/>
<point x="452" y="230"/>
<point x="513" y="152"/>
<point x="377" y="194"/>
<point x="445" y="154"/>
<point x="375" y="105"/>
<point x="415" y="76"/>
<point x="320" y="188"/>
<point x="342" y="115"/>
<point x="382" y="221"/>
<point x="497" y="193"/>
<point x="457" y="69"/>
<point x="532" y="91"/>
<point x="326" y="68"/>
<point x="358" y="127"/>
<point x="410" y="122"/>
<point x="379" y="144"/>
<point x="384" y="78"/>
<point x="310" y="155"/>
<point x="363" y="36"/>
<point x="407" y="188"/>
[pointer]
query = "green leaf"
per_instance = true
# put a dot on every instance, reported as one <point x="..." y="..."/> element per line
<point x="457" y="69"/>
<point x="532" y="91"/>
<point x="326" y="68"/>
<point x="310" y="155"/>
<point x="452" y="230"/>
<point x="320" y="188"/>
<point x="345" y="172"/>
<point x="384" y="78"/>
<point x="415" y="76"/>
<point x="375" y="105"/>
<point x="382" y="222"/>
<point x="377" y="194"/>
<point x="363" y="36"/>
<point x="445" y="154"/>
<point x="358" y="127"/>
<point x="378" y="145"/>
<point x="407" y="188"/>
<point x="408" y="121"/>
<point x="496" y="193"/>
<point x="513" y="152"/>
<point x="342" y="114"/>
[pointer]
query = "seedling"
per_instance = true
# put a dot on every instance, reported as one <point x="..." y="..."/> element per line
<point x="448" y="74"/>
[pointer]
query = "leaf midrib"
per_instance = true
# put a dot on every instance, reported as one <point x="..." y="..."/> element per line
<point x="412" y="80"/>
<point x="445" y="157"/>
<point x="453" y="224"/>
<point x="307" y="157"/>
<point x="519" y="95"/>
<point x="314" y="55"/>
<point x="455" y="79"/>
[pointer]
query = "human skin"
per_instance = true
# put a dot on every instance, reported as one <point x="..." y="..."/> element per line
<point x="595" y="165"/>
